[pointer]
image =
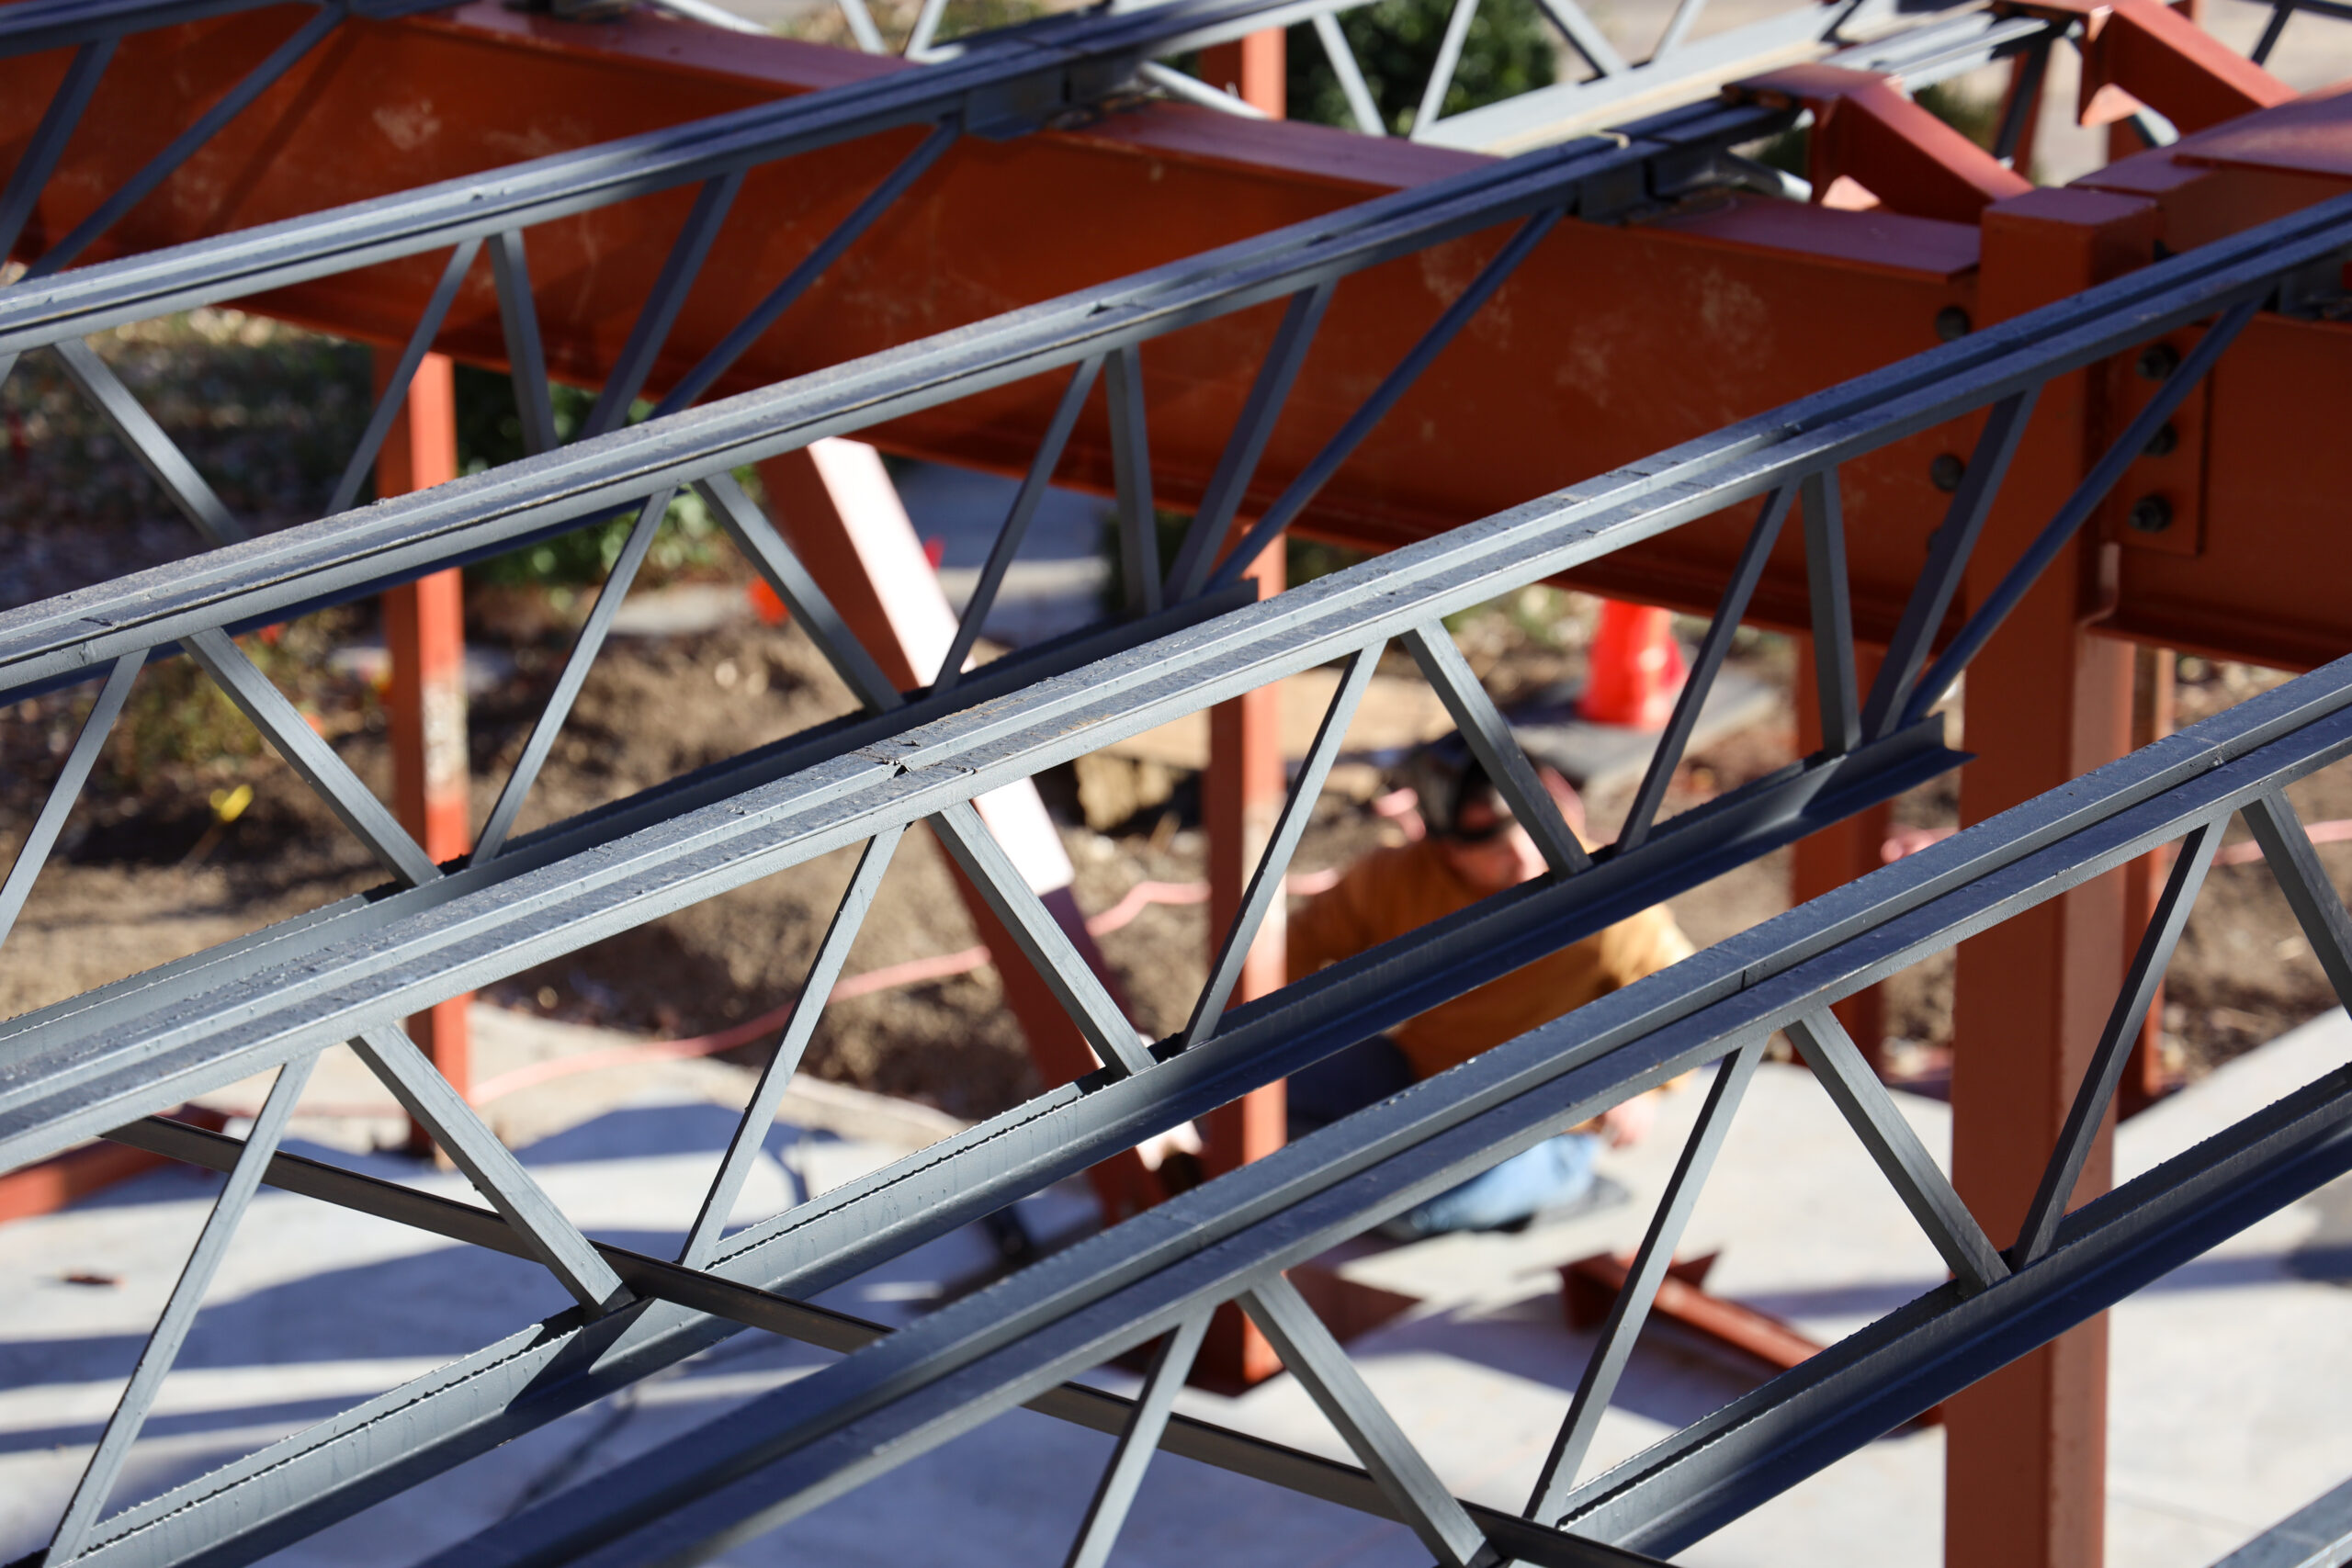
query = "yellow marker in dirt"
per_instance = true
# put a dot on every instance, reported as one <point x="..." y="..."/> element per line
<point x="227" y="805"/>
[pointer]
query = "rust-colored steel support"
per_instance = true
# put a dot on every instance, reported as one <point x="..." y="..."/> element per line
<point x="2140" y="52"/>
<point x="1242" y="795"/>
<point x="424" y="631"/>
<point x="2025" y="1464"/>
<point x="1836" y="855"/>
<point x="1253" y="69"/>
<point x="2146" y="1080"/>
<point x="1866" y="130"/>
<point x="841" y="557"/>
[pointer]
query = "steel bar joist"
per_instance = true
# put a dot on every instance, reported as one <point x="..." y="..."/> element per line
<point x="995" y="84"/>
<point x="769" y="1462"/>
<point x="110" y="1060"/>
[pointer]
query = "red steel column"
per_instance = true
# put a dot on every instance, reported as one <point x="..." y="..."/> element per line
<point x="1242" y="795"/>
<point x="1252" y="69"/>
<point x="2144" y="1078"/>
<point x="1838" y="854"/>
<point x="2026" y="1461"/>
<point x="424" y="630"/>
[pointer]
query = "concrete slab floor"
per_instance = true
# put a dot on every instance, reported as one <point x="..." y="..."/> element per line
<point x="2230" y="1375"/>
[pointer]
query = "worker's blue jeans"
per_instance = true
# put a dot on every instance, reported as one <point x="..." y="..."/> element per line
<point x="1555" y="1172"/>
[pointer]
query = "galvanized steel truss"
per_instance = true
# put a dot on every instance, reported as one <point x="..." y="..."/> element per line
<point x="109" y="1061"/>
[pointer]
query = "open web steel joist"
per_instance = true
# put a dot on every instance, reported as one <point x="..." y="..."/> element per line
<point x="1772" y="492"/>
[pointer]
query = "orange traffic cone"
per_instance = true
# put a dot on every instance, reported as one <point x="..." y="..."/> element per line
<point x="1636" y="666"/>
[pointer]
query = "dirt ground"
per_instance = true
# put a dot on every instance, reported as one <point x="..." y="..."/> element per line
<point x="193" y="832"/>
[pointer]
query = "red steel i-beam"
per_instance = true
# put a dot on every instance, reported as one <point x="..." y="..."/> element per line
<point x="424" y="632"/>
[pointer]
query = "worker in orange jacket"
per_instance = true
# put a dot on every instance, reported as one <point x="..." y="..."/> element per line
<point x="1472" y="849"/>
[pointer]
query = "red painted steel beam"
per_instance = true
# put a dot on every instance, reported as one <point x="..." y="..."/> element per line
<point x="1609" y="343"/>
<point x="1647" y="334"/>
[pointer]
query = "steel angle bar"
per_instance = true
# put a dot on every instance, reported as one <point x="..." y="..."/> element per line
<point x="1239" y="462"/>
<point x="1266" y="882"/>
<point x="1678" y="24"/>
<point x="868" y="36"/>
<point x="2025" y="92"/>
<point x="137" y="188"/>
<point x="750" y="1307"/>
<point x="798" y="281"/>
<point x="57" y="126"/>
<point x="162" y="1347"/>
<point x="1586" y="37"/>
<point x="1490" y="739"/>
<point x="2084" y="1118"/>
<point x="759" y="1111"/>
<point x="1925" y="55"/>
<point x="1830" y="592"/>
<point x="765" y="549"/>
<point x="2319" y="909"/>
<point x="41" y="837"/>
<point x="926" y="24"/>
<point x="1044" y="943"/>
<point x="585" y="646"/>
<point x="531" y="1378"/>
<point x="156" y="452"/>
<point x="1342" y="58"/>
<point x="790" y="1450"/>
<point x="1360" y="423"/>
<point x="1631" y="1309"/>
<point x="1440" y="77"/>
<point x="518" y="319"/>
<point x="1949" y="548"/>
<point x="331" y="778"/>
<point x="1315" y="1360"/>
<point x="1030" y="71"/>
<point x="1107" y="1509"/>
<point x="2318" y="1535"/>
<point x="1896" y="1150"/>
<point x="395" y="397"/>
<point x="1131" y="465"/>
<point x="496" y="1174"/>
<point x="1009" y="539"/>
<point x="2279" y="16"/>
<point x="668" y="296"/>
<point x="1641" y="817"/>
<point x="1192" y="90"/>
